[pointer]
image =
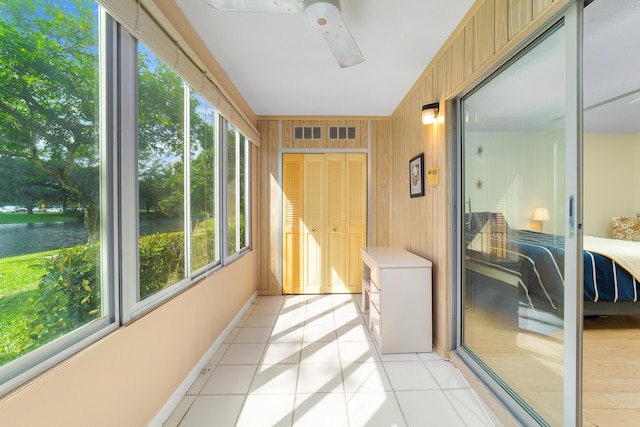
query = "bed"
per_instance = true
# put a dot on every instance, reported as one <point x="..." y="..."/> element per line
<point x="531" y="265"/>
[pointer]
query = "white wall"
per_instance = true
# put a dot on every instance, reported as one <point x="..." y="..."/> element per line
<point x="519" y="172"/>
<point x="517" y="178"/>
<point x="611" y="171"/>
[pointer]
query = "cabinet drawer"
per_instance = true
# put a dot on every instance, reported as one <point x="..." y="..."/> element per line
<point x="374" y="285"/>
<point x="374" y="325"/>
<point x="374" y="297"/>
<point x="375" y="275"/>
<point x="366" y="284"/>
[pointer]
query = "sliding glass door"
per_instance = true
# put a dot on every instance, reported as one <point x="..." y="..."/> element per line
<point x="517" y="268"/>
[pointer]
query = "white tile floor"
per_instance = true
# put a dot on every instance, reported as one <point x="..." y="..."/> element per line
<point x="310" y="361"/>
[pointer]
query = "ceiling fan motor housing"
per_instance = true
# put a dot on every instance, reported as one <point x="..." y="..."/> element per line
<point x="322" y="14"/>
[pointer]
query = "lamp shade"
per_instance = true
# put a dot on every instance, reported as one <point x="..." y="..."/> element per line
<point x="541" y="214"/>
<point x="430" y="113"/>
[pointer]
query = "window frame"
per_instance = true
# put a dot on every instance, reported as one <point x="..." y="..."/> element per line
<point x="247" y="195"/>
<point x="570" y="17"/>
<point x="41" y="359"/>
<point x="119" y="205"/>
<point x="228" y="258"/>
<point x="133" y="307"/>
<point x="204" y="270"/>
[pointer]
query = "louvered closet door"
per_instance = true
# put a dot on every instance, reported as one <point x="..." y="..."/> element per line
<point x="313" y="223"/>
<point x="324" y="222"/>
<point x="356" y="219"/>
<point x="335" y="224"/>
<point x="293" y="190"/>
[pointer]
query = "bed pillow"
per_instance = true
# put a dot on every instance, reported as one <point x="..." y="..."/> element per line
<point x="626" y="228"/>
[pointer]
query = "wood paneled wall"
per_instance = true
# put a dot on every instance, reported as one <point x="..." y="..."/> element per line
<point x="423" y="225"/>
<point x="379" y="183"/>
<point x="268" y="234"/>
<point x="491" y="30"/>
<point x="360" y="142"/>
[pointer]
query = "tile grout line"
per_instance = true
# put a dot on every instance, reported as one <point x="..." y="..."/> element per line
<point x="375" y="344"/>
<point x="335" y="329"/>
<point x="295" y="392"/>
<point x="260" y="359"/>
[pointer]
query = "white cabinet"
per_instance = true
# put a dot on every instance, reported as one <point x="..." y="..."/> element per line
<point x="398" y="297"/>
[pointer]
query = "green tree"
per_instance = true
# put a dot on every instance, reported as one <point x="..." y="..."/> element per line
<point x="23" y="185"/>
<point x="202" y="149"/>
<point x="49" y="98"/>
<point x="172" y="205"/>
<point x="202" y="181"/>
<point x="160" y="108"/>
<point x="48" y="93"/>
<point x="161" y="135"/>
<point x="152" y="185"/>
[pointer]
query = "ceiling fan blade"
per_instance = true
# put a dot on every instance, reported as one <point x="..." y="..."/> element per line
<point x="269" y="6"/>
<point x="343" y="45"/>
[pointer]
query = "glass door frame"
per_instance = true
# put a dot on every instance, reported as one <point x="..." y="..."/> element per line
<point x="571" y="18"/>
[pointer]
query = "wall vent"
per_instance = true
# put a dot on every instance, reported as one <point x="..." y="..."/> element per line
<point x="307" y="132"/>
<point x="342" y="132"/>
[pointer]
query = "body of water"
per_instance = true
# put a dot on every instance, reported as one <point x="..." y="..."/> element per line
<point x="23" y="239"/>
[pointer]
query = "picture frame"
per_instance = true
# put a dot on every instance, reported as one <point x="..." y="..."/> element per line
<point x="416" y="176"/>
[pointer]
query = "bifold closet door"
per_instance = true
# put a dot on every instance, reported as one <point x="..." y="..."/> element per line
<point x="356" y="219"/>
<point x="324" y="222"/>
<point x="335" y="223"/>
<point x="292" y="192"/>
<point x="313" y="227"/>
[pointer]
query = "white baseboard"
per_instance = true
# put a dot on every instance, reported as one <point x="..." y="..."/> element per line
<point x="173" y="401"/>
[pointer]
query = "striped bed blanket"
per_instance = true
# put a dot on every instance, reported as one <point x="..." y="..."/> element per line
<point x="610" y="269"/>
<point x="541" y="267"/>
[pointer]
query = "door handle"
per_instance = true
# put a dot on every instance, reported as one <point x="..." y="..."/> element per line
<point x="335" y="228"/>
<point x="313" y="229"/>
<point x="572" y="219"/>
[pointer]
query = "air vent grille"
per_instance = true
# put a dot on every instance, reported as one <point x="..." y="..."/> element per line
<point x="307" y="132"/>
<point x="342" y="132"/>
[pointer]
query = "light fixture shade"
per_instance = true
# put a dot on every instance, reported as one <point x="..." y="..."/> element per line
<point x="541" y="214"/>
<point x="430" y="113"/>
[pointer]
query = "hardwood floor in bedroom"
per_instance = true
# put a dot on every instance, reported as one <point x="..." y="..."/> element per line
<point x="611" y="371"/>
<point x="531" y="363"/>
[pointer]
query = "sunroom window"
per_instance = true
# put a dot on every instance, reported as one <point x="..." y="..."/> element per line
<point x="53" y="284"/>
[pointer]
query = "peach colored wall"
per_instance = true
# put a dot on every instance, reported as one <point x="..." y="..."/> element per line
<point x="125" y="378"/>
<point x="610" y="165"/>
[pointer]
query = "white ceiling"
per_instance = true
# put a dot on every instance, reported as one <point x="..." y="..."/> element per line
<point x="612" y="67"/>
<point x="283" y="67"/>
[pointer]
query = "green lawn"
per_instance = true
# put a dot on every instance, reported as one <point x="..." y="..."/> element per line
<point x="19" y="277"/>
<point x="25" y="218"/>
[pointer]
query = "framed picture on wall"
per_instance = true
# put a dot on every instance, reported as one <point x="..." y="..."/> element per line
<point x="416" y="176"/>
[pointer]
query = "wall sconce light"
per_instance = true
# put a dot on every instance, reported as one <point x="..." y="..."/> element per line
<point x="430" y="113"/>
<point x="541" y="215"/>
